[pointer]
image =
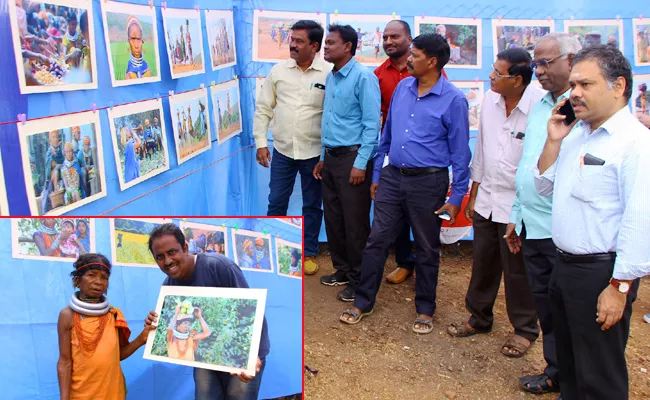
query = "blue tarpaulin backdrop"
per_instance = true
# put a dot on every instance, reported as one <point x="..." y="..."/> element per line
<point x="33" y="293"/>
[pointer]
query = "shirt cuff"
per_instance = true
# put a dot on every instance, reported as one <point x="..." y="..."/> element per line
<point x="475" y="175"/>
<point x="322" y="154"/>
<point x="456" y="199"/>
<point x="623" y="272"/>
<point x="261" y="141"/>
<point x="360" y="163"/>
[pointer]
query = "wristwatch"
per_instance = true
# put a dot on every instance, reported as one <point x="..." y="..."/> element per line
<point x="621" y="286"/>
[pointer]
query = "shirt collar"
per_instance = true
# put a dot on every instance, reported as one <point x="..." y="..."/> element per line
<point x="525" y="103"/>
<point x="317" y="64"/>
<point x="436" y="89"/>
<point x="620" y="120"/>
<point x="347" y="67"/>
<point x="548" y="97"/>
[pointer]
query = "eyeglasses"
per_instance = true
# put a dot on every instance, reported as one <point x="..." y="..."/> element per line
<point x="497" y="75"/>
<point x="545" y="63"/>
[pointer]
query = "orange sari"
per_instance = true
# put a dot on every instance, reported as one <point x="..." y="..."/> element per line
<point x="99" y="376"/>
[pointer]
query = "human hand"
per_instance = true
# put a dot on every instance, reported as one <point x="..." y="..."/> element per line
<point x="247" y="378"/>
<point x="557" y="129"/>
<point x="149" y="325"/>
<point x="512" y="239"/>
<point x="357" y="176"/>
<point x="451" y="209"/>
<point x="263" y="156"/>
<point x="318" y="169"/>
<point x="611" y="304"/>
<point x="197" y="312"/>
<point x="373" y="190"/>
<point x="469" y="209"/>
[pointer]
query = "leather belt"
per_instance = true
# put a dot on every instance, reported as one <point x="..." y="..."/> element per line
<point x="419" y="171"/>
<point x="586" y="258"/>
<point x="340" y="151"/>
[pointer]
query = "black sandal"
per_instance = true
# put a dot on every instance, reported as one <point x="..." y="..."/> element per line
<point x="538" y="384"/>
<point x="355" y="315"/>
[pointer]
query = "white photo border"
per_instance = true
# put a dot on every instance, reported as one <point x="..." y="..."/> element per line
<point x="15" y="246"/>
<point x="457" y="21"/>
<point x="228" y="14"/>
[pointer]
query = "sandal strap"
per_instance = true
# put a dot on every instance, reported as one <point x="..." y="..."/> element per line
<point x="423" y="321"/>
<point x="352" y="313"/>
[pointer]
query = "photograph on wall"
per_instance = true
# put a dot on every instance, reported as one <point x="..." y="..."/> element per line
<point x="139" y="141"/>
<point x="131" y="35"/>
<point x="259" y="83"/>
<point x="191" y="123"/>
<point x="210" y="328"/>
<point x="462" y="34"/>
<point x="641" y="29"/>
<point x="130" y="241"/>
<point x="641" y="95"/>
<point x="474" y="94"/>
<point x="226" y="106"/>
<point x="205" y="238"/>
<point x="184" y="38"/>
<point x="63" y="162"/>
<point x="288" y="257"/>
<point x="54" y="45"/>
<point x="370" y="31"/>
<point x="512" y="33"/>
<point x="591" y="32"/>
<point x="4" y="204"/>
<point x="294" y="221"/>
<point x="252" y="250"/>
<point x="221" y="38"/>
<point x="52" y="238"/>
<point x="272" y="33"/>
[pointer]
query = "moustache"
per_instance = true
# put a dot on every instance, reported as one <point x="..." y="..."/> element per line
<point x="293" y="49"/>
<point x="409" y="65"/>
<point x="578" y="102"/>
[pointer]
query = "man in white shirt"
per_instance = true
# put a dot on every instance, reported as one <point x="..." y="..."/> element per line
<point x="295" y="90"/>
<point x="502" y="128"/>
<point x="597" y="174"/>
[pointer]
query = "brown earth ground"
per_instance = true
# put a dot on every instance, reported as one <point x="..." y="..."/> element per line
<point x="194" y="147"/>
<point x="182" y="68"/>
<point x="223" y="134"/>
<point x="381" y="358"/>
<point x="267" y="48"/>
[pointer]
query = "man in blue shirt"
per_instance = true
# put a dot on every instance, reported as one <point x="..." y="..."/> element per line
<point x="169" y="249"/>
<point x="350" y="132"/>
<point x="426" y="131"/>
<point x="529" y="230"/>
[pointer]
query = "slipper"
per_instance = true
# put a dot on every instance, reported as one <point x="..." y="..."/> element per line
<point x="422" y="321"/>
<point x="355" y="315"/>
<point x="538" y="384"/>
<point x="516" y="347"/>
<point x="464" y="329"/>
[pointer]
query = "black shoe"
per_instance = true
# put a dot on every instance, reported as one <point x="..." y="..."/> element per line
<point x="333" y="280"/>
<point x="346" y="294"/>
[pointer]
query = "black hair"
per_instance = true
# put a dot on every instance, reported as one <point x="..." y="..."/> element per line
<point x="520" y="63"/>
<point x="164" y="230"/>
<point x="315" y="31"/>
<point x="91" y="261"/>
<point x="83" y="22"/>
<point x="613" y="64"/>
<point x="434" y="45"/>
<point x="72" y="15"/>
<point x="405" y="25"/>
<point x="68" y="221"/>
<point x="348" y="34"/>
<point x="82" y="221"/>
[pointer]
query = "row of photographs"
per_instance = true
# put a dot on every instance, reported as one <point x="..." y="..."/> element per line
<point x="63" y="159"/>
<point x="32" y="239"/>
<point x="55" y="47"/>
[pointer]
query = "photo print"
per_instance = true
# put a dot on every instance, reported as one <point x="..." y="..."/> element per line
<point x="512" y="33"/>
<point x="370" y="31"/>
<point x="54" y="45"/>
<point x="184" y="38"/>
<point x="191" y="123"/>
<point x="63" y="162"/>
<point x="288" y="257"/>
<point x="590" y="32"/>
<point x="226" y="106"/>
<point x="204" y="238"/>
<point x="221" y="38"/>
<point x="474" y="92"/>
<point x="130" y="241"/>
<point x="462" y="34"/>
<point x="52" y="239"/>
<point x="252" y="250"/>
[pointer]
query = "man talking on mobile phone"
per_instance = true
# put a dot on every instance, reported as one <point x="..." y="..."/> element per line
<point x="597" y="175"/>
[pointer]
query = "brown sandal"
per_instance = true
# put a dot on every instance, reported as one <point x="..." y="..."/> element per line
<point x="464" y="329"/>
<point x="516" y="346"/>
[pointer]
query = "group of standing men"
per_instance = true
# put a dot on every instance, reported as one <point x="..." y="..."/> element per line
<point x="557" y="207"/>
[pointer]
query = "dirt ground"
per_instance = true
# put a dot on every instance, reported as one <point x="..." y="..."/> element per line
<point x="381" y="358"/>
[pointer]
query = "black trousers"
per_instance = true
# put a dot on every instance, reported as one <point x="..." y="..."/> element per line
<point x="491" y="258"/>
<point x="591" y="361"/>
<point x="539" y="258"/>
<point x="347" y="215"/>
<point x="414" y="199"/>
<point x="403" y="253"/>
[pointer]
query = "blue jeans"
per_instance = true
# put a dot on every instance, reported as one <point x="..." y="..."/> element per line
<point x="217" y="385"/>
<point x="283" y="177"/>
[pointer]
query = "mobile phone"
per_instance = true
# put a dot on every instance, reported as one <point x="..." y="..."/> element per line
<point x="444" y="215"/>
<point x="567" y="110"/>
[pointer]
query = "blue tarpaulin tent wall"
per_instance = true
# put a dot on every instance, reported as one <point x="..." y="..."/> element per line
<point x="33" y="292"/>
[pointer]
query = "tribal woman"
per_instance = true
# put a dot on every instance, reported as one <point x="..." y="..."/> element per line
<point x="94" y="337"/>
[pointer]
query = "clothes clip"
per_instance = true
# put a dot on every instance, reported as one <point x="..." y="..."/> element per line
<point x="213" y="83"/>
<point x="548" y="18"/>
<point x="618" y="17"/>
<point x="196" y="7"/>
<point x="317" y="12"/>
<point x="261" y="8"/>
<point x="572" y="18"/>
<point x="260" y="77"/>
<point x="393" y="15"/>
<point x="171" y="93"/>
<point x="422" y="16"/>
<point x="474" y="17"/>
<point x="640" y="16"/>
<point x="476" y="80"/>
<point x="235" y="78"/>
<point x="22" y="118"/>
<point x="202" y="86"/>
<point x="158" y="96"/>
<point x="93" y="107"/>
<point x="164" y="5"/>
<point x="336" y="13"/>
<point x="150" y="3"/>
<point x="500" y="18"/>
<point x="110" y="105"/>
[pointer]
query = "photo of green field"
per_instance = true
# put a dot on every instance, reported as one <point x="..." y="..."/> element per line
<point x="130" y="242"/>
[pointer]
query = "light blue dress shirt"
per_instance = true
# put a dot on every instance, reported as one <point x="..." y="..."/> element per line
<point x="351" y="111"/>
<point x="529" y="207"/>
<point x="603" y="208"/>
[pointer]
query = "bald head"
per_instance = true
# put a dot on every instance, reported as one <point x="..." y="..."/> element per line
<point x="397" y="39"/>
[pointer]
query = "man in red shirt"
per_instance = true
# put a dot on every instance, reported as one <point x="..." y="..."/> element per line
<point x="396" y="43"/>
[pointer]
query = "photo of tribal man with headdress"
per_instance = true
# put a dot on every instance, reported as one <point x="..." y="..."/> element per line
<point x="252" y="250"/>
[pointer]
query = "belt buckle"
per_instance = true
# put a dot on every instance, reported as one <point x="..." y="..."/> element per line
<point x="401" y="171"/>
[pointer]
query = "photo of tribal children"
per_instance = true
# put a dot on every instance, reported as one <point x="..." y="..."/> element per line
<point x="42" y="238"/>
<point x="204" y="238"/>
<point x="252" y="250"/>
<point x="227" y="110"/>
<point x="191" y="123"/>
<point x="184" y="41"/>
<point x="139" y="141"/>
<point x="464" y="40"/>
<point x="221" y="38"/>
<point x="131" y="43"/>
<point x="54" y="45"/>
<point x="289" y="258"/>
<point x="64" y="166"/>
